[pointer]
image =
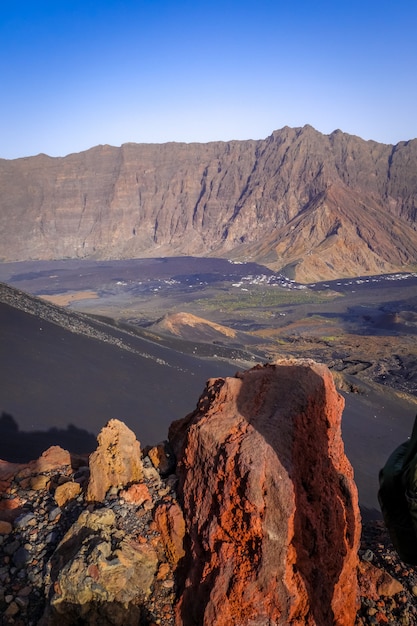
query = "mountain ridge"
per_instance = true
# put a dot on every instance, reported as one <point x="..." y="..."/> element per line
<point x="239" y="199"/>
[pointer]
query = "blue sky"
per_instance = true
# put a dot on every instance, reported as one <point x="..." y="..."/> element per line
<point x="75" y="73"/>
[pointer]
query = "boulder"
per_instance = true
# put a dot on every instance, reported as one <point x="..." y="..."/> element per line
<point x="162" y="458"/>
<point x="7" y="472"/>
<point x="5" y="528"/>
<point x="11" y="508"/>
<point x="52" y="459"/>
<point x="116" y="462"/>
<point x="66" y="492"/>
<point x="270" y="504"/>
<point x="136" y="494"/>
<point x="98" y="577"/>
<point x="171" y="525"/>
<point x="375" y="582"/>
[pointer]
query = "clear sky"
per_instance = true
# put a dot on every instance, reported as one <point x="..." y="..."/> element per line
<point x="77" y="73"/>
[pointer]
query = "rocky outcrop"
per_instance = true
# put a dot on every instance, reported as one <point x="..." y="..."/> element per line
<point x="315" y="206"/>
<point x="97" y="576"/>
<point x="259" y="524"/>
<point x="270" y="504"/>
<point x="34" y="475"/>
<point x="116" y="462"/>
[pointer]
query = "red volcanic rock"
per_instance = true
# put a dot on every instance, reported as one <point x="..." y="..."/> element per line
<point x="136" y="494"/>
<point x="7" y="473"/>
<point x="170" y="523"/>
<point x="10" y="508"/>
<point x="375" y="582"/>
<point x="116" y="462"/>
<point x="52" y="459"/>
<point x="270" y="505"/>
<point x="162" y="459"/>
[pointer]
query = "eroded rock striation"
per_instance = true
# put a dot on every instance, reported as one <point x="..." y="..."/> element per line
<point x="270" y="504"/>
<point x="311" y="205"/>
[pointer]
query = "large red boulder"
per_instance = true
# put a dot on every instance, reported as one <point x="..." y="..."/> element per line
<point x="270" y="504"/>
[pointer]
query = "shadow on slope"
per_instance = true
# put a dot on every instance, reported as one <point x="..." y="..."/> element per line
<point x="54" y="376"/>
<point x="21" y="447"/>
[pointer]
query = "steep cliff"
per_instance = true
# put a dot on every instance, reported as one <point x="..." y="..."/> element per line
<point x="318" y="206"/>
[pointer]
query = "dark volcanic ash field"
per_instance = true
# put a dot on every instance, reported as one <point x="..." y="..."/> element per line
<point x="64" y="376"/>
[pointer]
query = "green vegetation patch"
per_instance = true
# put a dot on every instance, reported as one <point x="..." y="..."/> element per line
<point x="231" y="300"/>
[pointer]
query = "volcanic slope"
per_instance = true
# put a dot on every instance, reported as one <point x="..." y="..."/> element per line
<point x="314" y="206"/>
<point x="193" y="328"/>
<point x="60" y="368"/>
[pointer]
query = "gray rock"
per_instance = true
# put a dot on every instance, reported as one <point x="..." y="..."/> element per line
<point x="11" y="548"/>
<point x="54" y="513"/>
<point x="21" y="557"/>
<point x="23" y="520"/>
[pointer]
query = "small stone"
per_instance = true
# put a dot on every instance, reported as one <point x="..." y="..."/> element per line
<point x="51" y="537"/>
<point x="381" y="618"/>
<point x="23" y="593"/>
<point x="66" y="492"/>
<point x="24" y="520"/>
<point x="368" y="556"/>
<point x="11" y="547"/>
<point x="163" y="571"/>
<point x="136" y="494"/>
<point x="12" y="609"/>
<point x="56" y="512"/>
<point x="5" y="528"/>
<point x="172" y="481"/>
<point x="22" y="601"/>
<point x="414" y="590"/>
<point x="151" y="474"/>
<point x="39" y="482"/>
<point x="162" y="458"/>
<point x="21" y="557"/>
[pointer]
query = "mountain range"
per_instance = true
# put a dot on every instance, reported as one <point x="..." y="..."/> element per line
<point x="311" y="206"/>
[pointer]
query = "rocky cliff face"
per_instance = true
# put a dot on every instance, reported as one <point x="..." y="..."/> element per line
<point x="312" y="205"/>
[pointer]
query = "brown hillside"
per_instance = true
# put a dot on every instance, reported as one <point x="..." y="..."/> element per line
<point x="179" y="324"/>
<point x="316" y="206"/>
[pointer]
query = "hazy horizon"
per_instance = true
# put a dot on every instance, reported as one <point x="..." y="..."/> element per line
<point x="78" y="74"/>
